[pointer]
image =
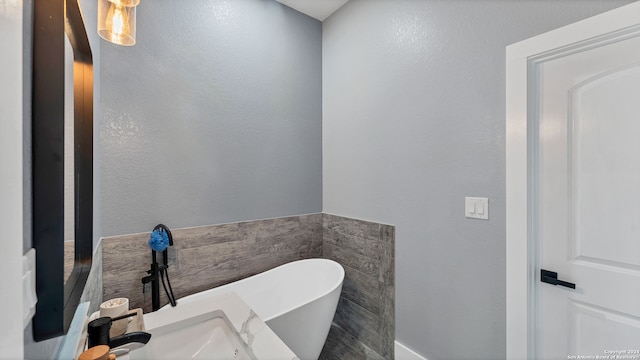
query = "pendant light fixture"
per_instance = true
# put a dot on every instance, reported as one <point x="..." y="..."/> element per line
<point x="117" y="21"/>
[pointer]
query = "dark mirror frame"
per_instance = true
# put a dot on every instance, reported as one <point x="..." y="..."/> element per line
<point x="57" y="300"/>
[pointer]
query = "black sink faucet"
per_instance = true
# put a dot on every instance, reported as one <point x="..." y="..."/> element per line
<point x="98" y="334"/>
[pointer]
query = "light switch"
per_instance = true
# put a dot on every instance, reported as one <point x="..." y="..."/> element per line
<point x="470" y="206"/>
<point x="476" y="208"/>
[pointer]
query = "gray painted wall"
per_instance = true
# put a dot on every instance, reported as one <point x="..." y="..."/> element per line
<point x="413" y="121"/>
<point x="214" y="116"/>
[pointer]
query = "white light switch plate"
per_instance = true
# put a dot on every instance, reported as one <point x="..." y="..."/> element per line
<point x="476" y="208"/>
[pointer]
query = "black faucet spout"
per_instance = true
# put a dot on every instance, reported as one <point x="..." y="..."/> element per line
<point x="132" y="337"/>
<point x="98" y="334"/>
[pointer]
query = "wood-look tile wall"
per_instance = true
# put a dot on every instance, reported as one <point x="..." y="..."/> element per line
<point x="93" y="289"/>
<point x="364" y="324"/>
<point x="209" y="256"/>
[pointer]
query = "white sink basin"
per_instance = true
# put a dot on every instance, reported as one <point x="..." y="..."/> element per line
<point x="210" y="336"/>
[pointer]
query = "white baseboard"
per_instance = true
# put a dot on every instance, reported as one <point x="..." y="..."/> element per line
<point x="404" y="353"/>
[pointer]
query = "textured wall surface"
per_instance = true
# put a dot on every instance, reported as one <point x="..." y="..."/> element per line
<point x="214" y="116"/>
<point x="207" y="256"/>
<point x="364" y="324"/>
<point x="413" y="121"/>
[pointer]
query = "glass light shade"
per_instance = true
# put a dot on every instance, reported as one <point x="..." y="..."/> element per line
<point x="127" y="2"/>
<point x="117" y="21"/>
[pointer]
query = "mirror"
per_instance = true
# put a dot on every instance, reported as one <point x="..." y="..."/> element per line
<point x="59" y="293"/>
<point x="69" y="160"/>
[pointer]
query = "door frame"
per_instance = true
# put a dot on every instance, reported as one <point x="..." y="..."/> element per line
<point x="522" y="59"/>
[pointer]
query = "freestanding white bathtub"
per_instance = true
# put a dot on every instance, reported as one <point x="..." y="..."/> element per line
<point x="297" y="300"/>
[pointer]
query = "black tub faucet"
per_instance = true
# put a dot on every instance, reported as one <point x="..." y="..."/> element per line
<point x="159" y="272"/>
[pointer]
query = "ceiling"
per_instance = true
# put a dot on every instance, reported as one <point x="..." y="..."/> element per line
<point x="319" y="9"/>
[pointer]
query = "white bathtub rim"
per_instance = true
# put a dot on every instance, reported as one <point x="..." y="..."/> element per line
<point x="330" y="289"/>
<point x="320" y="296"/>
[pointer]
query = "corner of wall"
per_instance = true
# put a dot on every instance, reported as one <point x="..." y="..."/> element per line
<point x="364" y="323"/>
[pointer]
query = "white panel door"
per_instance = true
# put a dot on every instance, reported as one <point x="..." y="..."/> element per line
<point x="586" y="207"/>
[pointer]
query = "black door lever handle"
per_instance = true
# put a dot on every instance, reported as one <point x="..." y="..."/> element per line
<point x="551" y="277"/>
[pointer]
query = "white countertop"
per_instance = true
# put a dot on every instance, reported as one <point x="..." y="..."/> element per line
<point x="257" y="336"/>
<point x="264" y="342"/>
